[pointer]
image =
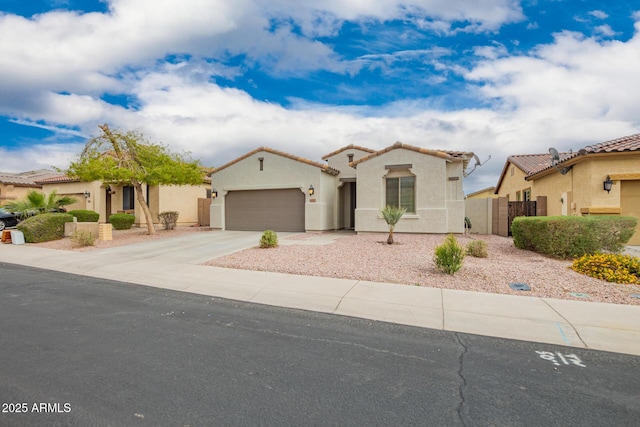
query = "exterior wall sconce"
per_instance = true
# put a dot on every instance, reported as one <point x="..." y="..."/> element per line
<point x="607" y="184"/>
<point x="214" y="193"/>
<point x="311" y="190"/>
<point x="87" y="194"/>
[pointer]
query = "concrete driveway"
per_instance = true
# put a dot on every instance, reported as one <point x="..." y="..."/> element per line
<point x="192" y="248"/>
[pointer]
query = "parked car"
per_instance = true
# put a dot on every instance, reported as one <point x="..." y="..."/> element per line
<point x="7" y="219"/>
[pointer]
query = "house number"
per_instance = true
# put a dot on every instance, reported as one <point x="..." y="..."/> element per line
<point x="567" y="359"/>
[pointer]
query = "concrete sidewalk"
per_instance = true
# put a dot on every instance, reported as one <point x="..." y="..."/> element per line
<point x="173" y="264"/>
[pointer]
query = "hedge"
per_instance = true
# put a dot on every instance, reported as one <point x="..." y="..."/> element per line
<point x="44" y="227"/>
<point x="572" y="236"/>
<point x="85" y="215"/>
<point x="122" y="221"/>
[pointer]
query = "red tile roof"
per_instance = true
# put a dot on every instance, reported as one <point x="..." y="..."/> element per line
<point x="57" y="180"/>
<point x="348" y="147"/>
<point x="626" y="143"/>
<point x="325" y="168"/>
<point x="25" y="179"/>
<point x="465" y="156"/>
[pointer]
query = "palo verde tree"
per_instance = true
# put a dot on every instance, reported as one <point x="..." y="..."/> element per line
<point x="119" y="158"/>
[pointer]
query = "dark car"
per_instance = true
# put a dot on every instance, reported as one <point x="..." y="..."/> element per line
<point x="7" y="219"/>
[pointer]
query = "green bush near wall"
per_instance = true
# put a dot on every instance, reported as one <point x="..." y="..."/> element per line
<point x="122" y="221"/>
<point x="44" y="227"/>
<point x="85" y="215"/>
<point x="572" y="236"/>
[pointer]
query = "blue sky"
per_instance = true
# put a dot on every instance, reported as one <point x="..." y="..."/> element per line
<point x="219" y="78"/>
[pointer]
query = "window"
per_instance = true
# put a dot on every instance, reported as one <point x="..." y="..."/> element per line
<point x="517" y="196"/>
<point x="527" y="195"/>
<point x="350" y="157"/>
<point x="261" y="163"/>
<point x="128" y="198"/>
<point x="400" y="192"/>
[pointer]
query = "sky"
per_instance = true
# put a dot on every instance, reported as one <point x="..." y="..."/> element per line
<point x="219" y="78"/>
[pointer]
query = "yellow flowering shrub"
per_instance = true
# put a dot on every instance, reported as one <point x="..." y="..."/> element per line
<point x="610" y="267"/>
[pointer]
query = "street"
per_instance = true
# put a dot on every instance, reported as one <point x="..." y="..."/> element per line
<point x="76" y="350"/>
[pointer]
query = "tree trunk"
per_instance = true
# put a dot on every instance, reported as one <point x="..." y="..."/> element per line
<point x="390" y="238"/>
<point x="145" y="208"/>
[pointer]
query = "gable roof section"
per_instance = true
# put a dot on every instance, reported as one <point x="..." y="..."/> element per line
<point x="25" y="179"/>
<point x="324" y="168"/>
<point x="625" y="144"/>
<point x="446" y="155"/>
<point x="58" y="179"/>
<point x="348" y="147"/>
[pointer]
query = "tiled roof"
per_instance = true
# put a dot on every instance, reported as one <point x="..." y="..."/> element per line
<point x="58" y="179"/>
<point x="533" y="163"/>
<point x="348" y="147"/>
<point x="626" y="143"/>
<point x="325" y="168"/>
<point x="447" y="155"/>
<point x="28" y="179"/>
<point x="619" y="145"/>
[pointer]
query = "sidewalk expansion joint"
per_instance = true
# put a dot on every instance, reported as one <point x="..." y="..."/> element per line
<point x="568" y="323"/>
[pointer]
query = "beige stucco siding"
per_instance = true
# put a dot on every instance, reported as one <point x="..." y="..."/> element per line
<point x="340" y="161"/>
<point x="77" y="189"/>
<point x="513" y="182"/>
<point x="278" y="172"/>
<point x="439" y="201"/>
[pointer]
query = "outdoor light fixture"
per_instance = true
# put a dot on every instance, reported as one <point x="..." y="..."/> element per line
<point x="214" y="193"/>
<point x="87" y="194"/>
<point x="311" y="190"/>
<point x="607" y="184"/>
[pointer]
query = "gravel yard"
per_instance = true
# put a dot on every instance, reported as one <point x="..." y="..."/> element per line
<point x="407" y="262"/>
<point x="410" y="262"/>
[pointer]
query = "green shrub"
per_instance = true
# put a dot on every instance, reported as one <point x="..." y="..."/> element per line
<point x="85" y="216"/>
<point x="477" y="248"/>
<point x="572" y="236"/>
<point x="82" y="238"/>
<point x="269" y="239"/>
<point x="122" y="221"/>
<point x="449" y="256"/>
<point x="610" y="267"/>
<point x="44" y="227"/>
<point x="168" y="219"/>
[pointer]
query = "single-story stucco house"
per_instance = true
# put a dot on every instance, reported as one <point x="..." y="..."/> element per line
<point x="270" y="189"/>
<point x="107" y="199"/>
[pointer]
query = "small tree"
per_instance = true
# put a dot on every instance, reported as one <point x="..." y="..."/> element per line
<point x="392" y="215"/>
<point x="37" y="202"/>
<point x="115" y="157"/>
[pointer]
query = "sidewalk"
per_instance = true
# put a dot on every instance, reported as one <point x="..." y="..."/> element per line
<point x="608" y="327"/>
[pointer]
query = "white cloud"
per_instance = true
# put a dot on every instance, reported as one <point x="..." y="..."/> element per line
<point x="598" y="14"/>
<point x="567" y="93"/>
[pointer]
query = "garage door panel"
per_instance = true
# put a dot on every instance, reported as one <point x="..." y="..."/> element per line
<point x="259" y="210"/>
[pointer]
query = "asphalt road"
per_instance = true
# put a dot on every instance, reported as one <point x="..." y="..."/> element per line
<point x="81" y="351"/>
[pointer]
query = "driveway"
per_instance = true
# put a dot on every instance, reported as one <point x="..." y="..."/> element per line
<point x="192" y="248"/>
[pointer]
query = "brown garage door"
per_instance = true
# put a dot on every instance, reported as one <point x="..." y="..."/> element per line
<point x="259" y="210"/>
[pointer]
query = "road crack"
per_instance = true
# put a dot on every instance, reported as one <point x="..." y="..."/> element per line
<point x="463" y="384"/>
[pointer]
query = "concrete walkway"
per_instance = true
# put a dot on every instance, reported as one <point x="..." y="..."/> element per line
<point x="173" y="264"/>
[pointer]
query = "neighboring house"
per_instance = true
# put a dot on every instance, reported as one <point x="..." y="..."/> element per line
<point x="575" y="185"/>
<point x="271" y="189"/>
<point x="16" y="186"/>
<point x="109" y="199"/>
<point x="485" y="193"/>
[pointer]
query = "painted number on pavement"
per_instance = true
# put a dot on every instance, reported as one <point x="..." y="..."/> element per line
<point x="567" y="359"/>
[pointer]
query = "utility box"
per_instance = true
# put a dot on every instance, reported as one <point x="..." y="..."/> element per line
<point x="17" y="237"/>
